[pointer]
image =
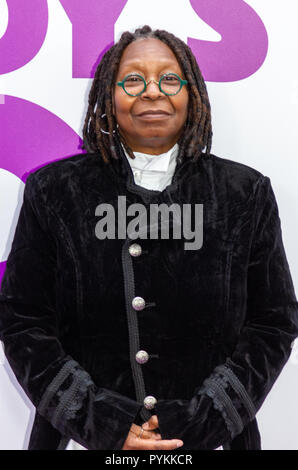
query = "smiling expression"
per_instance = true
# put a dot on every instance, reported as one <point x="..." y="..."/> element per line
<point x="160" y="127"/>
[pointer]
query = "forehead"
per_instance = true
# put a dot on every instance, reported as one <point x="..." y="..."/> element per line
<point x="148" y="52"/>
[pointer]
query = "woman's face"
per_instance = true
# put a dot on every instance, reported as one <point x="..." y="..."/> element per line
<point x="153" y="134"/>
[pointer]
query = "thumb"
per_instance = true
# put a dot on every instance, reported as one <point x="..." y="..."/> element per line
<point x="151" y="424"/>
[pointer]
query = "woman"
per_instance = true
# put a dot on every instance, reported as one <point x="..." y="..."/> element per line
<point x="123" y="340"/>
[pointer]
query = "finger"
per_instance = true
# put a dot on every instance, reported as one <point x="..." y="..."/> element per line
<point x="152" y="423"/>
<point x="138" y="431"/>
<point x="146" y="435"/>
<point x="152" y="444"/>
<point x="150" y="435"/>
<point x="135" y="428"/>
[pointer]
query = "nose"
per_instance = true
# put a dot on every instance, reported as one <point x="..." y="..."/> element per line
<point x="152" y="90"/>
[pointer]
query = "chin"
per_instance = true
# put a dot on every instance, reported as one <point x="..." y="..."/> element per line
<point x="156" y="133"/>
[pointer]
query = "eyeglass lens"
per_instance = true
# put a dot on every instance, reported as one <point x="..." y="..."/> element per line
<point x="134" y="85"/>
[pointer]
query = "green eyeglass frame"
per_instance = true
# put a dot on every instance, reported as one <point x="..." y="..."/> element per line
<point x="182" y="82"/>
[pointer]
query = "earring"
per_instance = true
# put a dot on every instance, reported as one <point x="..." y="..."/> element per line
<point x="105" y="132"/>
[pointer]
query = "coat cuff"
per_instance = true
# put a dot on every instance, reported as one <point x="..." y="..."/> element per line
<point x="196" y="422"/>
<point x="230" y="398"/>
<point x="96" y="418"/>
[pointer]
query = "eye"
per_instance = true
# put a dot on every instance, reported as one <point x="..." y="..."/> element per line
<point x="169" y="78"/>
<point x="133" y="78"/>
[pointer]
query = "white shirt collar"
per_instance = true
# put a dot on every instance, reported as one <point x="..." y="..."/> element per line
<point x="160" y="163"/>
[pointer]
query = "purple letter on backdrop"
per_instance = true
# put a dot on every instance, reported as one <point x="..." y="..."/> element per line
<point x="244" y="44"/>
<point x="92" y="32"/>
<point x="31" y="136"/>
<point x="25" y="33"/>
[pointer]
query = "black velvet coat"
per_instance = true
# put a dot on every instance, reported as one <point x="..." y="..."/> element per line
<point x="218" y="322"/>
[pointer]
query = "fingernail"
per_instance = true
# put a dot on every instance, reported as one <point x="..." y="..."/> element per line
<point x="145" y="426"/>
<point x="180" y="443"/>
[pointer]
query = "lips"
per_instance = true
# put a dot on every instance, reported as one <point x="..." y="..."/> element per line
<point x="152" y="112"/>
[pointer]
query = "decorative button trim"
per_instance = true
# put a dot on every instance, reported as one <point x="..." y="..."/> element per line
<point x="142" y="357"/>
<point x="138" y="303"/>
<point x="135" y="249"/>
<point x="149" y="402"/>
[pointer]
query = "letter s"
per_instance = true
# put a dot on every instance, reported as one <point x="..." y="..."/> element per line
<point x="244" y="44"/>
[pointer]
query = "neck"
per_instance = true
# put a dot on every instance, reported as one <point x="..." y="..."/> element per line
<point x="150" y="151"/>
<point x="151" y="148"/>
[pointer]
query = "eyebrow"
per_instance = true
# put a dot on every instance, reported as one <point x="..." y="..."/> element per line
<point x="137" y="62"/>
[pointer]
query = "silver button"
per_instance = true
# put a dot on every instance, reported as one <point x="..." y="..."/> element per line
<point x="135" y="249"/>
<point x="138" y="303"/>
<point x="142" y="357"/>
<point x="149" y="402"/>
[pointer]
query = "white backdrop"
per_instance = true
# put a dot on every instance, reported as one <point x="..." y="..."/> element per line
<point x="255" y="122"/>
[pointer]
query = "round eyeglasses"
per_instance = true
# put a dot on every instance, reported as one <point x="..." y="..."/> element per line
<point x="169" y="84"/>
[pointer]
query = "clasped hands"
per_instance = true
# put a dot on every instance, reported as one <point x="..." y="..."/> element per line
<point x="145" y="438"/>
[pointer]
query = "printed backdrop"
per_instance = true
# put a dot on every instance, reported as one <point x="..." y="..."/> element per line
<point x="247" y="52"/>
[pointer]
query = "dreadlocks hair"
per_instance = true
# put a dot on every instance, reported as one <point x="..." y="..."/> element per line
<point x="197" y="131"/>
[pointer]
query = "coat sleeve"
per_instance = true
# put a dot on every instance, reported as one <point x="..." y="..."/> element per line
<point x="60" y="389"/>
<point x="231" y="396"/>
